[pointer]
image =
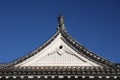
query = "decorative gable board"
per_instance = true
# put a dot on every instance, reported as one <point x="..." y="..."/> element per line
<point x="57" y="53"/>
<point x="61" y="50"/>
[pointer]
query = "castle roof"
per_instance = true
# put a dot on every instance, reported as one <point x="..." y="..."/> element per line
<point x="61" y="55"/>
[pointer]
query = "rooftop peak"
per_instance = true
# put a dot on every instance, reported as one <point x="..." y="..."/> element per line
<point x="61" y="25"/>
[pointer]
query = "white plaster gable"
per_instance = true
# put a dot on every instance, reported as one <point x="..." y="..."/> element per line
<point x="57" y="53"/>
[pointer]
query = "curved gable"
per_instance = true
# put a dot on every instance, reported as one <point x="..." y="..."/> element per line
<point x="57" y="53"/>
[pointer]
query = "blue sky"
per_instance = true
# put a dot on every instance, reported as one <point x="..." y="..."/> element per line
<point x="26" y="24"/>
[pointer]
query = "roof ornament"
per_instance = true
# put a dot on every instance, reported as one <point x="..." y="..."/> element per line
<point x="61" y="25"/>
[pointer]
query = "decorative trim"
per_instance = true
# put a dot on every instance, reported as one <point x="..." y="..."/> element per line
<point x="71" y="42"/>
<point x="86" y="52"/>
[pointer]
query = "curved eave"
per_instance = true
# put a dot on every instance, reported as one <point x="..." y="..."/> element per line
<point x="86" y="53"/>
<point x="34" y="52"/>
<point x="72" y="43"/>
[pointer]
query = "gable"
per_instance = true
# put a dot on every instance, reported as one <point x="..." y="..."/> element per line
<point x="61" y="50"/>
<point x="57" y="53"/>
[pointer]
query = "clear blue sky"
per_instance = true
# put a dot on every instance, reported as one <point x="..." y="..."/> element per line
<point x="25" y="24"/>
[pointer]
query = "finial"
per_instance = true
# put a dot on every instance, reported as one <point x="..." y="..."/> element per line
<point x="60" y="19"/>
<point x="61" y="22"/>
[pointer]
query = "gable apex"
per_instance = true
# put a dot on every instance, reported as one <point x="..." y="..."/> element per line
<point x="58" y="53"/>
<point x="61" y="46"/>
